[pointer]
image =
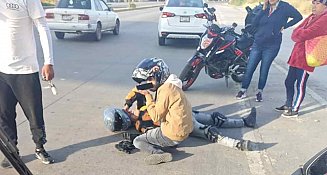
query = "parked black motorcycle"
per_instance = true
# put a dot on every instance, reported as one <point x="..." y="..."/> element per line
<point x="221" y="51"/>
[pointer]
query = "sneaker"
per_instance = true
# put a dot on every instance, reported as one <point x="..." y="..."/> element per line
<point x="5" y="163"/>
<point x="155" y="159"/>
<point x="251" y="119"/>
<point x="43" y="156"/>
<point x="282" y="108"/>
<point x="246" y="145"/>
<point x="240" y="95"/>
<point x="258" y="97"/>
<point x="290" y="114"/>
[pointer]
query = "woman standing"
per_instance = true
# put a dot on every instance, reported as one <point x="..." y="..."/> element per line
<point x="313" y="26"/>
<point x="270" y="22"/>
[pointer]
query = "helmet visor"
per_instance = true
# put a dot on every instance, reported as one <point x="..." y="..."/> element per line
<point x="141" y="75"/>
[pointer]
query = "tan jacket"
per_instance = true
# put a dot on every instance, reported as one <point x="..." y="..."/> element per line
<point x="172" y="109"/>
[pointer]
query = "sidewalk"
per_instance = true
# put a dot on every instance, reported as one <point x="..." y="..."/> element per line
<point x="294" y="140"/>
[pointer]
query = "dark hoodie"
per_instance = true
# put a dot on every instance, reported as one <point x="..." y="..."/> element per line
<point x="269" y="27"/>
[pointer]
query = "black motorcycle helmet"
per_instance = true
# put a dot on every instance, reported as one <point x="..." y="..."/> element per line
<point x="151" y="67"/>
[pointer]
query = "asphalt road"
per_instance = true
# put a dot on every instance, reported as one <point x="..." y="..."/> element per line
<point x="91" y="76"/>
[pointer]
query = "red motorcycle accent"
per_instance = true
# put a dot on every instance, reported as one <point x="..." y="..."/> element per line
<point x="227" y="45"/>
<point x="238" y="52"/>
<point x="196" y="62"/>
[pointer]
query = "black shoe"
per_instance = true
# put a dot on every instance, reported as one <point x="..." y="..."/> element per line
<point x="258" y="97"/>
<point x="240" y="95"/>
<point x="5" y="163"/>
<point x="290" y="114"/>
<point x="43" y="156"/>
<point x="251" y="119"/>
<point x="282" y="108"/>
<point x="246" y="145"/>
<point x="125" y="146"/>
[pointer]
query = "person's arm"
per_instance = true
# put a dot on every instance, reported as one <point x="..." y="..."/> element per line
<point x="36" y="13"/>
<point x="46" y="43"/>
<point x="261" y="12"/>
<point x="295" y="15"/>
<point x="130" y="99"/>
<point x="256" y="19"/>
<point x="316" y="29"/>
<point x="159" y="109"/>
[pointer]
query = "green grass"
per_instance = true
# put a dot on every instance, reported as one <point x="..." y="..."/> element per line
<point x="304" y="6"/>
<point x="48" y="2"/>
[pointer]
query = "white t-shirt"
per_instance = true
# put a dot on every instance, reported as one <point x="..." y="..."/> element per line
<point x="17" y="43"/>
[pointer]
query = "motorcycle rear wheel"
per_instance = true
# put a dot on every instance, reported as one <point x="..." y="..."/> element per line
<point x="189" y="75"/>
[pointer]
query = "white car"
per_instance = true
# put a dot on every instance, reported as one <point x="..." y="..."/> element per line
<point x="181" y="19"/>
<point x="82" y="16"/>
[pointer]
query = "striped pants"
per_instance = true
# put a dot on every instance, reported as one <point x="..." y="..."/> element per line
<point x="299" y="76"/>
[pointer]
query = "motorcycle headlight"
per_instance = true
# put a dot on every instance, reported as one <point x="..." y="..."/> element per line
<point x="205" y="42"/>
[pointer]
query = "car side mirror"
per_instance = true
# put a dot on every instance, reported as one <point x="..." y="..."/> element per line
<point x="110" y="9"/>
<point x="160" y="8"/>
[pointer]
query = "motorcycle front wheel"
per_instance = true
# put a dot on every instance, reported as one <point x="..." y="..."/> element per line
<point x="189" y="75"/>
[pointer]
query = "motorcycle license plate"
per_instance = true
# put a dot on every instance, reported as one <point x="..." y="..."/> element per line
<point x="185" y="19"/>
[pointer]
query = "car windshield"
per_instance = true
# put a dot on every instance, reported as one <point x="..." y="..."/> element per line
<point x="75" y="4"/>
<point x="185" y="3"/>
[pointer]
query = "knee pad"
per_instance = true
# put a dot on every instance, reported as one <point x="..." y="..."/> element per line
<point x="218" y="119"/>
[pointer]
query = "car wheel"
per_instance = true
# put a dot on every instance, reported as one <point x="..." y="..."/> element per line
<point x="60" y="35"/>
<point x="98" y="33"/>
<point x="161" y="41"/>
<point x="116" y="30"/>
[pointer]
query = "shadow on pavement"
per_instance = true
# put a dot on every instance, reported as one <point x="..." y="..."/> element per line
<point x="62" y="153"/>
<point x="182" y="43"/>
<point x="180" y="155"/>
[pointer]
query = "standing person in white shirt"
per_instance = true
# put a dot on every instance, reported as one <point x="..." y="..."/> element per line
<point x="19" y="69"/>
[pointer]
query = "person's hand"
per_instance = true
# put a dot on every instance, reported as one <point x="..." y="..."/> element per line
<point x="47" y="72"/>
<point x="126" y="108"/>
<point x="143" y="92"/>
<point x="282" y="29"/>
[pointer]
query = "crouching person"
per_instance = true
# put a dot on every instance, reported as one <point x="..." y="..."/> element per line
<point x="177" y="120"/>
<point x="169" y="107"/>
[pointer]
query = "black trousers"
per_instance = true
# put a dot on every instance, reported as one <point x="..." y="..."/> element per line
<point x="24" y="89"/>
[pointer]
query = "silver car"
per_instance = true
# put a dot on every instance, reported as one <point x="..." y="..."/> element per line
<point x="82" y="16"/>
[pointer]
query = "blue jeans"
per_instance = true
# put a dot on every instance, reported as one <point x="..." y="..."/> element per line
<point x="265" y="54"/>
